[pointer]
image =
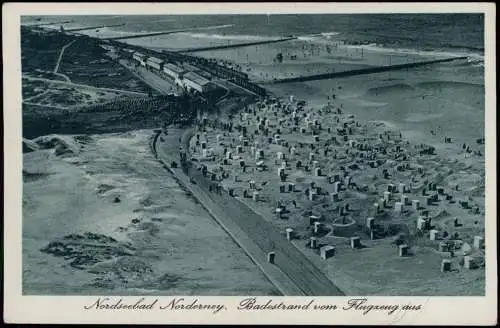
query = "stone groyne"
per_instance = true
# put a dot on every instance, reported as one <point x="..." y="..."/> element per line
<point x="361" y="71"/>
<point x="237" y="45"/>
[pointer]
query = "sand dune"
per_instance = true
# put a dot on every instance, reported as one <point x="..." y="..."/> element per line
<point x="61" y="144"/>
<point x="29" y="146"/>
<point x="109" y="219"/>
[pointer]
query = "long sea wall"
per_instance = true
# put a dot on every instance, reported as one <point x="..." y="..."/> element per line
<point x="362" y="71"/>
<point x="237" y="45"/>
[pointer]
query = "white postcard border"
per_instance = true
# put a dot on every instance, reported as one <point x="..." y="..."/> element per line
<point x="70" y="309"/>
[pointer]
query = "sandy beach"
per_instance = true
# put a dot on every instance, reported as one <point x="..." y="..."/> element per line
<point x="297" y="154"/>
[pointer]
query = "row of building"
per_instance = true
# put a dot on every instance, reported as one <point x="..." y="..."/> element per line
<point x="187" y="78"/>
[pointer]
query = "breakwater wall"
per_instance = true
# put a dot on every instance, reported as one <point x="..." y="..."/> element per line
<point x="135" y="36"/>
<point x="92" y="27"/>
<point x="238" y="45"/>
<point x="48" y="23"/>
<point x="361" y="71"/>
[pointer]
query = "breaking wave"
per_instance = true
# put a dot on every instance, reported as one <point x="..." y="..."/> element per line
<point x="116" y="32"/>
<point x="229" y="37"/>
<point x="329" y="34"/>
<point x="475" y="56"/>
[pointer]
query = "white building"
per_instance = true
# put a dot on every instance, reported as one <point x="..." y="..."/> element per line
<point x="155" y="63"/>
<point x="174" y="72"/>
<point x="140" y="57"/>
<point x="193" y="81"/>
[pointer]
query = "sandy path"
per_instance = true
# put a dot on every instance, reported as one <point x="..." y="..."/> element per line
<point x="56" y="69"/>
<point x="133" y="93"/>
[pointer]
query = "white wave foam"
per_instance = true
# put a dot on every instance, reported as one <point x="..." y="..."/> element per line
<point x="113" y="32"/>
<point x="307" y="38"/>
<point x="229" y="37"/>
<point x="213" y="27"/>
<point x="472" y="56"/>
<point x="329" y="34"/>
<point x="324" y="38"/>
<point x="477" y="64"/>
<point x="319" y="37"/>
